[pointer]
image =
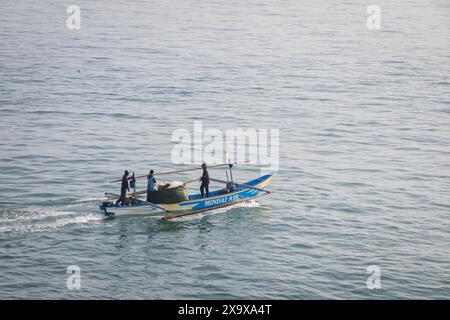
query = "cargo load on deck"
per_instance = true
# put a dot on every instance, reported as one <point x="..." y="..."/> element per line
<point x="172" y="192"/>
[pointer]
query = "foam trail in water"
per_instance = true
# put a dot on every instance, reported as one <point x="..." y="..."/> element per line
<point x="35" y="219"/>
<point x="47" y="226"/>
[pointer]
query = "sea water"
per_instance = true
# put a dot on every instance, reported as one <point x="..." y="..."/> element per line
<point x="363" y="114"/>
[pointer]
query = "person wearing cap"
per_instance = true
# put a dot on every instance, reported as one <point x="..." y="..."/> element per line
<point x="205" y="181"/>
<point x="124" y="188"/>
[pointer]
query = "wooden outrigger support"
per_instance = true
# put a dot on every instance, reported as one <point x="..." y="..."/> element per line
<point x="242" y="185"/>
<point x="112" y="195"/>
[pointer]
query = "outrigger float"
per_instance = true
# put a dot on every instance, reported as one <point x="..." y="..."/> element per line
<point x="173" y="201"/>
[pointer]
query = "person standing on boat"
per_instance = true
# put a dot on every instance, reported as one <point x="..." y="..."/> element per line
<point x="205" y="181"/>
<point x="124" y="188"/>
<point x="133" y="185"/>
<point x="150" y="186"/>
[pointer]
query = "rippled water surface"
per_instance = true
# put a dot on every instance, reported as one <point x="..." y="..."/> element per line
<point x="364" y="120"/>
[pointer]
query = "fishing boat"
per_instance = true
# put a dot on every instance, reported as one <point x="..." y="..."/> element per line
<point x="174" y="202"/>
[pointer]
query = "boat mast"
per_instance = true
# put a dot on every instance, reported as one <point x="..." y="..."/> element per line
<point x="231" y="172"/>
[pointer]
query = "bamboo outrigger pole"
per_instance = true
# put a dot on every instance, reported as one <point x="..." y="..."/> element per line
<point x="241" y="184"/>
<point x="116" y="196"/>
<point x="178" y="171"/>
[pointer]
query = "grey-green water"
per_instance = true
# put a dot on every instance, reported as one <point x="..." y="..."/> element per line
<point x="364" y="120"/>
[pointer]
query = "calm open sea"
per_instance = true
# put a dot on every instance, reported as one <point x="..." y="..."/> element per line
<point x="364" y="120"/>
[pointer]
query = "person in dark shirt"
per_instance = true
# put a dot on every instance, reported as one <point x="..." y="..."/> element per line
<point x="133" y="186"/>
<point x="205" y="181"/>
<point x="124" y="188"/>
